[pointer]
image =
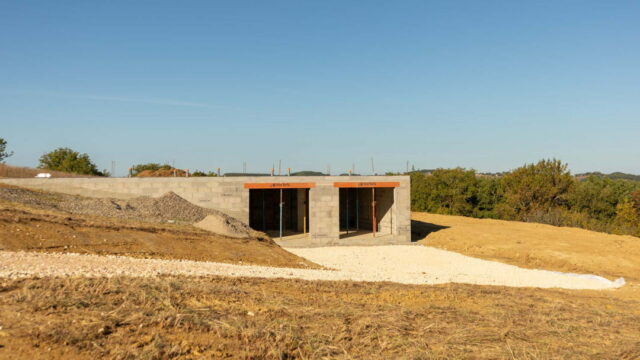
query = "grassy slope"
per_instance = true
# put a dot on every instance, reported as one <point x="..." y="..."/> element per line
<point x="533" y="245"/>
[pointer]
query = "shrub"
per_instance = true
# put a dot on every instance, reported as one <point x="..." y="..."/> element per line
<point x="68" y="160"/>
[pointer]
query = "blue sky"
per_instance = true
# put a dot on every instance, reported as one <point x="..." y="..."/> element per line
<point x="489" y="85"/>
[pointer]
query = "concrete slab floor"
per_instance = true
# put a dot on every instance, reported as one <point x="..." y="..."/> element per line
<point x="354" y="239"/>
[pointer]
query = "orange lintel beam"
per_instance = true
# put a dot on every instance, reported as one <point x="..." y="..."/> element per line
<point x="366" y="184"/>
<point x="288" y="185"/>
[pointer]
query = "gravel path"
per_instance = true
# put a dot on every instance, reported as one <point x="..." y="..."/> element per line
<point x="401" y="264"/>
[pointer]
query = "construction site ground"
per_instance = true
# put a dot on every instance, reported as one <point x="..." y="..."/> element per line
<point x="160" y="317"/>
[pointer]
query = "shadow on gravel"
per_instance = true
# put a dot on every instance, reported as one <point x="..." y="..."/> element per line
<point x="420" y="229"/>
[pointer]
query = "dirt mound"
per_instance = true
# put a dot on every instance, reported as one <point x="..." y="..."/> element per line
<point x="24" y="228"/>
<point x="225" y="225"/>
<point x="162" y="173"/>
<point x="169" y="207"/>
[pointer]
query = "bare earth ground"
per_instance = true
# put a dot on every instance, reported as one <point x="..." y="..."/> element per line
<point x="535" y="246"/>
<point x="213" y="317"/>
<point x="24" y="228"/>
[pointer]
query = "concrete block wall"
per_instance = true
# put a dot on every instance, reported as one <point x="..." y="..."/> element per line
<point x="227" y="194"/>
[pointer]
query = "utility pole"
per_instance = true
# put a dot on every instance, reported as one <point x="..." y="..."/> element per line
<point x="113" y="168"/>
<point x="373" y="169"/>
<point x="279" y="167"/>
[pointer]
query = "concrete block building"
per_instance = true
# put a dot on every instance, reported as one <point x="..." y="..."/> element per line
<point x="301" y="210"/>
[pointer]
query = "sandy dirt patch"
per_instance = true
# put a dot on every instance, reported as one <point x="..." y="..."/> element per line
<point x="532" y="245"/>
<point x="225" y="225"/>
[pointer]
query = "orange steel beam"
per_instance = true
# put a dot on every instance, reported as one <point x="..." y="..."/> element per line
<point x="366" y="184"/>
<point x="279" y="185"/>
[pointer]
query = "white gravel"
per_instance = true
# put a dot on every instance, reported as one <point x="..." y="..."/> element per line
<point x="395" y="263"/>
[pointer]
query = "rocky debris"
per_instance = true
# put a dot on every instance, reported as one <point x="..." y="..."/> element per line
<point x="168" y="208"/>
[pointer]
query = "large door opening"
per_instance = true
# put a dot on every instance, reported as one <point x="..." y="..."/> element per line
<point x="366" y="211"/>
<point x="279" y="212"/>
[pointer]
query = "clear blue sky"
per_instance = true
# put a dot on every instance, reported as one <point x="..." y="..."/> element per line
<point x="489" y="85"/>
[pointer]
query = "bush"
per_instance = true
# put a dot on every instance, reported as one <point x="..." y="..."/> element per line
<point x="199" y="173"/>
<point x="68" y="160"/>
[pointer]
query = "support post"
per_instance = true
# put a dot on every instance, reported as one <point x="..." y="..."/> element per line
<point x="347" y="191"/>
<point x="264" y="215"/>
<point x="357" y="211"/>
<point x="373" y="211"/>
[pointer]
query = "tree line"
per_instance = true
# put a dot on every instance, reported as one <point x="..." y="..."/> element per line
<point x="544" y="192"/>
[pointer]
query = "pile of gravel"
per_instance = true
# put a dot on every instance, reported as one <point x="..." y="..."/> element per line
<point x="168" y="208"/>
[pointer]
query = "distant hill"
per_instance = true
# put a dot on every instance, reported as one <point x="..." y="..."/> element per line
<point x="614" y="175"/>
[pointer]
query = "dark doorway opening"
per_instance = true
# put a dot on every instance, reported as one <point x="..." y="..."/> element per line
<point x="266" y="213"/>
<point x="366" y="211"/>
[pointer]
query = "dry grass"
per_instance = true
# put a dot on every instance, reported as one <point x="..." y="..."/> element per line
<point x="9" y="171"/>
<point x="532" y="245"/>
<point x="178" y="317"/>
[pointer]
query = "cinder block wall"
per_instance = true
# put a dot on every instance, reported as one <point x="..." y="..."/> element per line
<point x="227" y="194"/>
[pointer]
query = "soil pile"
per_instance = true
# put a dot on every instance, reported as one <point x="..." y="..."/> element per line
<point x="225" y="225"/>
<point x="162" y="173"/>
<point x="168" y="208"/>
<point x="24" y="228"/>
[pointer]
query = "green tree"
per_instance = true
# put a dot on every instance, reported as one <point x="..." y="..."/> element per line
<point x="3" y="150"/>
<point x="635" y="197"/>
<point x="599" y="196"/>
<point x="627" y="220"/>
<point x="535" y="189"/>
<point x="445" y="191"/>
<point x="68" y="160"/>
<point x="488" y="196"/>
